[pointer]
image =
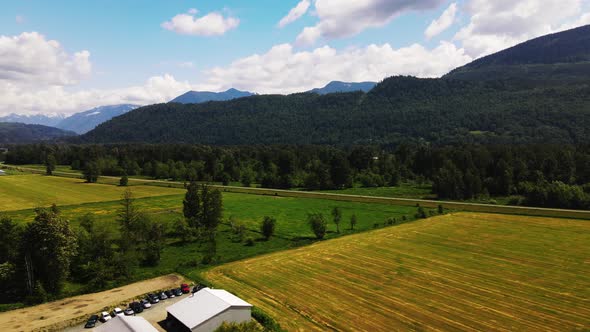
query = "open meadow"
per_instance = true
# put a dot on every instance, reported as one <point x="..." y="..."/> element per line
<point x="30" y="191"/>
<point x="457" y="272"/>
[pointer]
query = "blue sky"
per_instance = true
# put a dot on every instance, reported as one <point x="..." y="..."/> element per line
<point x="115" y="51"/>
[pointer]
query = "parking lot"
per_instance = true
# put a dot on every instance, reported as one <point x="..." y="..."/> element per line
<point x="155" y="314"/>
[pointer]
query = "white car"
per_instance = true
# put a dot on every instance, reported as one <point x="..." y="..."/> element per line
<point x="146" y="304"/>
<point x="117" y="312"/>
<point x="104" y="316"/>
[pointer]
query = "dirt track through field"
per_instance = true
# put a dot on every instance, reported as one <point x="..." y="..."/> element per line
<point x="458" y="272"/>
<point x="63" y="313"/>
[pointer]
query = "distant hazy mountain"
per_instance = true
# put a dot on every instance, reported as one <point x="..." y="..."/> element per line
<point x="11" y="133"/>
<point x="336" y="86"/>
<point x="196" y="97"/>
<point x="39" y="119"/>
<point x="85" y="121"/>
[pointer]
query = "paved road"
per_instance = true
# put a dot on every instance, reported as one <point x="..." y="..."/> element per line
<point x="473" y="207"/>
<point x="155" y="314"/>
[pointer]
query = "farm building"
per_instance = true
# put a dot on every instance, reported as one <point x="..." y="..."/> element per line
<point x="2" y="172"/>
<point x="206" y="310"/>
<point x="126" y="324"/>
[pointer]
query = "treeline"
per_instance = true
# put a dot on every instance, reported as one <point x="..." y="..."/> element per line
<point x="541" y="175"/>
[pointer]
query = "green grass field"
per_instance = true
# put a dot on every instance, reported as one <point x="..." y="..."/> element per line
<point x="459" y="272"/>
<point x="29" y="191"/>
<point x="74" y="200"/>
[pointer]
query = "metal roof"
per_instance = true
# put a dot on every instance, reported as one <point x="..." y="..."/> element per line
<point x="204" y="305"/>
<point x="126" y="324"/>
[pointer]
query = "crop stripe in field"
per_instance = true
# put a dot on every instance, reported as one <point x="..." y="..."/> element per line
<point x="475" y="207"/>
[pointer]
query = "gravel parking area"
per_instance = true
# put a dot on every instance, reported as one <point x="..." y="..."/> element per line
<point x="153" y="315"/>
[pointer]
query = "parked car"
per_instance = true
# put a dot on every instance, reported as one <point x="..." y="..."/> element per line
<point x="162" y="296"/>
<point x="129" y="312"/>
<point x="146" y="303"/>
<point x="136" y="306"/>
<point x="91" y="322"/>
<point x="153" y="298"/>
<point x="169" y="293"/>
<point x="185" y="288"/>
<point x="177" y="291"/>
<point x="117" y="312"/>
<point x="104" y="316"/>
<point x="198" y="287"/>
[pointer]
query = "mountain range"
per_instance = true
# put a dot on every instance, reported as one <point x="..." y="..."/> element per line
<point x="492" y="100"/>
<point x="196" y="97"/>
<point x="337" y="87"/>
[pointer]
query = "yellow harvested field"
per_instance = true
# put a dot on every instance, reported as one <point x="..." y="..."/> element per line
<point x="60" y="314"/>
<point x="30" y="191"/>
<point x="458" y="272"/>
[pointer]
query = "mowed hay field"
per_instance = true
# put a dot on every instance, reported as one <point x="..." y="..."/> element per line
<point x="458" y="272"/>
<point x="29" y="191"/>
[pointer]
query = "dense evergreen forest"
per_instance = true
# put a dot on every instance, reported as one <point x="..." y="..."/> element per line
<point x="535" y="175"/>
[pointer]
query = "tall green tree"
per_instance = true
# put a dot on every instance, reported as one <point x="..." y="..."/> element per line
<point x="49" y="244"/>
<point x="191" y="205"/>
<point x="50" y="164"/>
<point x="337" y="217"/>
<point x="91" y="172"/>
<point x="353" y="221"/>
<point x="268" y="227"/>
<point x="128" y="218"/>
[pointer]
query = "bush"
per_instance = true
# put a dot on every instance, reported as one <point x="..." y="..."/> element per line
<point x="250" y="241"/>
<point x="250" y="326"/>
<point x="266" y="321"/>
<point x="123" y="181"/>
<point x="318" y="224"/>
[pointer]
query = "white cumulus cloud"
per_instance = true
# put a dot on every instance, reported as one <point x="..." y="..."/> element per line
<point x="283" y="70"/>
<point x="31" y="59"/>
<point x="212" y="24"/>
<point x="345" y="18"/>
<point x="496" y="25"/>
<point x="295" y="13"/>
<point x="55" y="99"/>
<point x="442" y="23"/>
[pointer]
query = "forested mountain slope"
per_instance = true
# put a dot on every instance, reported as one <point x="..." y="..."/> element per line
<point x="527" y="107"/>
<point x="27" y="133"/>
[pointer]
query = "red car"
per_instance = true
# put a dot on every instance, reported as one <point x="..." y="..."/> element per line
<point x="185" y="288"/>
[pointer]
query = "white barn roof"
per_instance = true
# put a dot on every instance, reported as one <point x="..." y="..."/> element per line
<point x="126" y="324"/>
<point x="203" y="305"/>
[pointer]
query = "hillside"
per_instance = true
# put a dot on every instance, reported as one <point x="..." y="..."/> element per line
<point x="26" y="133"/>
<point x="85" y="121"/>
<point x="557" y="58"/>
<point x="550" y="104"/>
<point x="196" y="97"/>
<point x="337" y="86"/>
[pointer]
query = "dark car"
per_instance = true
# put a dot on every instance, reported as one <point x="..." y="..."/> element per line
<point x="177" y="291"/>
<point x="91" y="322"/>
<point x="185" y="288"/>
<point x="153" y="298"/>
<point x="136" y="306"/>
<point x="170" y="294"/>
<point x="162" y="296"/>
<point x="198" y="287"/>
<point x="129" y="312"/>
